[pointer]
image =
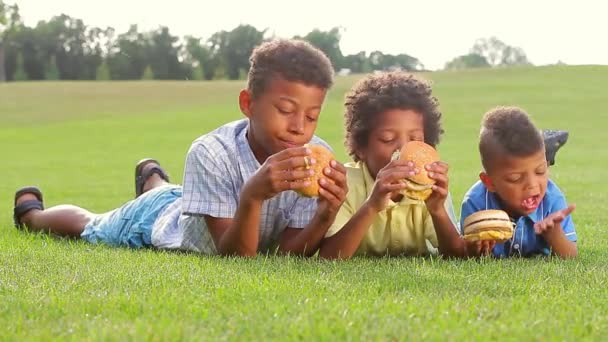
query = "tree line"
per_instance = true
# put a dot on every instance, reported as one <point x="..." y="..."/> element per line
<point x="65" y="48"/>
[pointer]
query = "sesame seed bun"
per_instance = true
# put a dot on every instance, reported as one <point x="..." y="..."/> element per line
<point x="421" y="154"/>
<point x="488" y="225"/>
<point x="323" y="157"/>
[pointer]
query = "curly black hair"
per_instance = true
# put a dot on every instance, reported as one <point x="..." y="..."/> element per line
<point x="380" y="92"/>
<point x="291" y="59"/>
<point x="510" y="131"/>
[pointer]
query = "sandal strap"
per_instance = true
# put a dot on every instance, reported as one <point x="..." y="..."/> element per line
<point x="23" y="208"/>
<point x="141" y="178"/>
<point x="28" y="190"/>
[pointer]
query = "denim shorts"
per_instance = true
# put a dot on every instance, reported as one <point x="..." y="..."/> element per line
<point x="131" y="224"/>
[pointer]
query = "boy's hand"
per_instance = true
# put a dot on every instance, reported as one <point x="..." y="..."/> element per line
<point x="552" y="223"/>
<point x="332" y="195"/>
<point x="388" y="182"/>
<point x="480" y="248"/>
<point x="439" y="172"/>
<point x="278" y="174"/>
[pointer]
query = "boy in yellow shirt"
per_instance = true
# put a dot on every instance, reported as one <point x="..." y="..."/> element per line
<point x="383" y="113"/>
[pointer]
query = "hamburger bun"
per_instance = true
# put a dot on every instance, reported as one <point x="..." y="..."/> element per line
<point x="323" y="157"/>
<point x="421" y="154"/>
<point x="488" y="225"/>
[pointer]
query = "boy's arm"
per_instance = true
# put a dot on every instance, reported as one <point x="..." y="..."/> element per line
<point x="238" y="236"/>
<point x="354" y="224"/>
<point x="278" y="173"/>
<point x="208" y="191"/>
<point x="306" y="241"/>
<point x="233" y="219"/>
<point x="553" y="229"/>
<point x="450" y="243"/>
<point x="344" y="243"/>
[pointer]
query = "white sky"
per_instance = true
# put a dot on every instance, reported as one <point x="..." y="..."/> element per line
<point x="434" y="31"/>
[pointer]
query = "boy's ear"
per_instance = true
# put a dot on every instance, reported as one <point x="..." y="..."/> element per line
<point x="487" y="181"/>
<point x="245" y="102"/>
<point x="359" y="154"/>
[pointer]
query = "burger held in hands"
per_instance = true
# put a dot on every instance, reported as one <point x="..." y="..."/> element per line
<point x="488" y="225"/>
<point x="322" y="157"/>
<point x="419" y="186"/>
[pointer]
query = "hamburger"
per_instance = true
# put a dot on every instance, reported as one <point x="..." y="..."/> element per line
<point x="323" y="157"/>
<point x="488" y="225"/>
<point x="419" y="186"/>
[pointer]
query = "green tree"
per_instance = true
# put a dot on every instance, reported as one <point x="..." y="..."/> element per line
<point x="148" y="74"/>
<point x="10" y="23"/>
<point x="197" y="73"/>
<point x="328" y="42"/>
<point x="3" y="22"/>
<point x="28" y="43"/>
<point x="232" y="49"/>
<point x="20" y="74"/>
<point x="357" y="63"/>
<point x="514" y="56"/>
<point x="471" y="60"/>
<point x="403" y="62"/>
<point x="200" y="58"/>
<point x="103" y="72"/>
<point x="497" y="53"/>
<point x="127" y="57"/>
<point x="376" y="60"/>
<point x="163" y="51"/>
<point x="51" y="72"/>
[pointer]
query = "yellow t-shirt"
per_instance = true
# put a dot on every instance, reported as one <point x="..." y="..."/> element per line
<point x="403" y="228"/>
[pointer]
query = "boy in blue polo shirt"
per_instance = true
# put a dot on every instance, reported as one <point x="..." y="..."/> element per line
<point x="516" y="179"/>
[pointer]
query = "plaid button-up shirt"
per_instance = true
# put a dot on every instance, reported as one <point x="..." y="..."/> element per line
<point x="218" y="165"/>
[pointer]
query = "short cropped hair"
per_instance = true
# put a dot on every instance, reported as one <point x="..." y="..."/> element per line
<point x="291" y="59"/>
<point x="507" y="131"/>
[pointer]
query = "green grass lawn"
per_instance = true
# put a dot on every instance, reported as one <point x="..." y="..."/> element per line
<point x="79" y="142"/>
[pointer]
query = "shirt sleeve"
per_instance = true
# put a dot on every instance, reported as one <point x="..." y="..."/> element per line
<point x="345" y="213"/>
<point x="430" y="234"/>
<point x="208" y="187"/>
<point x="468" y="207"/>
<point x="449" y="208"/>
<point x="302" y="212"/>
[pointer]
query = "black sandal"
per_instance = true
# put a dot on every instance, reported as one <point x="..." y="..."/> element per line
<point x="554" y="140"/>
<point x="141" y="177"/>
<point x="25" y="206"/>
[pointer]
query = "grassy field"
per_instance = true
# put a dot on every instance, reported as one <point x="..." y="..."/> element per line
<point x="79" y="141"/>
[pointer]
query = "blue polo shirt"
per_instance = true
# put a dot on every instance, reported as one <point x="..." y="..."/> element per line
<point x="524" y="241"/>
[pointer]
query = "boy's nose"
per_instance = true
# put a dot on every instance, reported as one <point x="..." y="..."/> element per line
<point x="403" y="141"/>
<point x="532" y="184"/>
<point x="296" y="124"/>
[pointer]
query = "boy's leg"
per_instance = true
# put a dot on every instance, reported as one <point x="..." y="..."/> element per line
<point x="64" y="220"/>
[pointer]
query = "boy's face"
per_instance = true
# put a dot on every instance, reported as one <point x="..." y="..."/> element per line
<point x="520" y="182"/>
<point x="285" y="115"/>
<point x="393" y="129"/>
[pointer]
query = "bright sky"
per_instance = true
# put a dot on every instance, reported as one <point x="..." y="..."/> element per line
<point x="434" y="31"/>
